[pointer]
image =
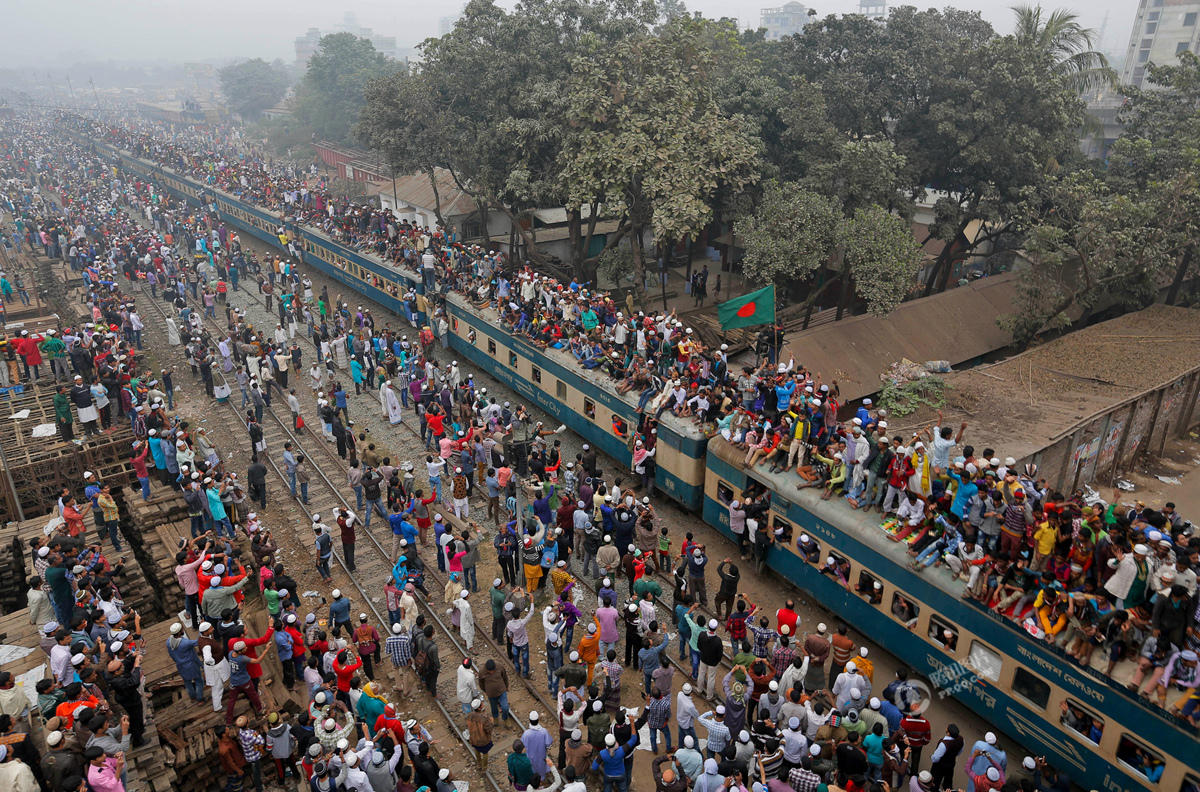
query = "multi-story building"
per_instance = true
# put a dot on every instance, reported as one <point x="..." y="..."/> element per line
<point x="787" y="20"/>
<point x="873" y="9"/>
<point x="308" y="44"/>
<point x="1162" y="29"/>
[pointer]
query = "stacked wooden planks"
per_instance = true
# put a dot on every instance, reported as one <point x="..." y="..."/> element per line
<point x="40" y="467"/>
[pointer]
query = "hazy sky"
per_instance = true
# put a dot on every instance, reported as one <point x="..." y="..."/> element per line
<point x="59" y="32"/>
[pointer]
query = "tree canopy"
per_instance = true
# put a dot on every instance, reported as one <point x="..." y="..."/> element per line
<point x="651" y="125"/>
<point x="253" y="86"/>
<point x="330" y="97"/>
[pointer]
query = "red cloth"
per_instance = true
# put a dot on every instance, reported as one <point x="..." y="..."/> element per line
<point x="253" y="669"/>
<point x="344" y="673"/>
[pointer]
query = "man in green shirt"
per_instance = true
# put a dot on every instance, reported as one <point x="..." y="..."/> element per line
<point x="62" y="592"/>
<point x="63" y="416"/>
<point x="497" y="602"/>
<point x="647" y="585"/>
<point x="520" y="768"/>
<point x="55" y="350"/>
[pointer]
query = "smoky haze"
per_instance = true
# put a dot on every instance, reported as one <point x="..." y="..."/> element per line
<point x="37" y="34"/>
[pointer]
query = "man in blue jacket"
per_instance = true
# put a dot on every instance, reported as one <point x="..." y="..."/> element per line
<point x="612" y="759"/>
<point x="183" y="651"/>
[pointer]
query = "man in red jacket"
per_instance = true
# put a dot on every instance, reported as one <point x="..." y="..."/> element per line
<point x="344" y="669"/>
<point x="917" y="732"/>
<point x="298" y="647"/>
<point x="254" y="669"/>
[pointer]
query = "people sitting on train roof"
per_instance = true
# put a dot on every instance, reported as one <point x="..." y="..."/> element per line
<point x="1078" y="574"/>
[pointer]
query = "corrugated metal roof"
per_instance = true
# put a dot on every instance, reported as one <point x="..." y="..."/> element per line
<point x="416" y="190"/>
<point x="957" y="325"/>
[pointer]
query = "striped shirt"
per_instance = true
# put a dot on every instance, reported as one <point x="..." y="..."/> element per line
<point x="252" y="744"/>
<point x="399" y="648"/>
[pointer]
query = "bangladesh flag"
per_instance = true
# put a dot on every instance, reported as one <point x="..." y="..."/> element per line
<point x="748" y="310"/>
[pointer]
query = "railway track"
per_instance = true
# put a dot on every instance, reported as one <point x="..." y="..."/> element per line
<point x="665" y="612"/>
<point x="375" y="566"/>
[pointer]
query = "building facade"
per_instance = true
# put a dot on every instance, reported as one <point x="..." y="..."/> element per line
<point x="1162" y="29"/>
<point x="785" y="21"/>
<point x="873" y="9"/>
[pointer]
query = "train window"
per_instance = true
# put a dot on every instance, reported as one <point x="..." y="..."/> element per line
<point x="1031" y="688"/>
<point x="560" y="390"/>
<point x="985" y="661"/>
<point x="471" y="336"/>
<point x="779" y="522"/>
<point x="512" y="359"/>
<point x="1190" y="784"/>
<point x="724" y="493"/>
<point x="838" y="568"/>
<point x="809" y="548"/>
<point x="620" y="428"/>
<point x="944" y="633"/>
<point x="454" y="323"/>
<point x="537" y="374"/>
<point x="1081" y="720"/>
<point x="491" y="347"/>
<point x="589" y="409"/>
<point x="870" y="587"/>
<point x="905" y="610"/>
<point x="1143" y="760"/>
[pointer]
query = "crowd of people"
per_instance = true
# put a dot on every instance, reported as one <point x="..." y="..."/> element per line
<point x="1082" y="575"/>
<point x="796" y="709"/>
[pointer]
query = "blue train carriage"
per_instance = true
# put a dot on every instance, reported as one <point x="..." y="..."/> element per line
<point x="997" y="669"/>
<point x="586" y="401"/>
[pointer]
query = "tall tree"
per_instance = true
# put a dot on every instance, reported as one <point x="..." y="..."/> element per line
<point x="790" y="235"/>
<point x="883" y="257"/>
<point x="650" y="142"/>
<point x="800" y="236"/>
<point x="1059" y="36"/>
<point x="252" y="86"/>
<point x="331" y="96"/>
<point x="492" y="99"/>
<point x="1087" y="246"/>
<point x="998" y="124"/>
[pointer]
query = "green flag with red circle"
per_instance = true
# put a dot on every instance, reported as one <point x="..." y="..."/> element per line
<point x="755" y="308"/>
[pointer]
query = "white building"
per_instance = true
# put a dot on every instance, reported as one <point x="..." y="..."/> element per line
<point x="1162" y="29"/>
<point x="873" y="9"/>
<point x="785" y="21"/>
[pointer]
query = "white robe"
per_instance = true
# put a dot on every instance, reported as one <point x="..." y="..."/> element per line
<point x="339" y="353"/>
<point x="172" y="333"/>
<point x="466" y="621"/>
<point x="393" y="407"/>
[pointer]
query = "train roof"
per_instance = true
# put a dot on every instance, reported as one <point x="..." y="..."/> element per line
<point x="865" y="528"/>
<point x="686" y="428"/>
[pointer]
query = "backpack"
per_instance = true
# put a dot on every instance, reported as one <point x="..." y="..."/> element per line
<point x="421" y="659"/>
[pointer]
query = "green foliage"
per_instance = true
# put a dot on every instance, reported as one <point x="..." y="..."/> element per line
<point x="1089" y="246"/>
<point x="331" y="96"/>
<point x="649" y="138"/>
<point x="616" y="266"/>
<point x="884" y="257"/>
<point x="252" y="86"/>
<point x="1059" y="36"/>
<point x="901" y="399"/>
<point x="790" y="236"/>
